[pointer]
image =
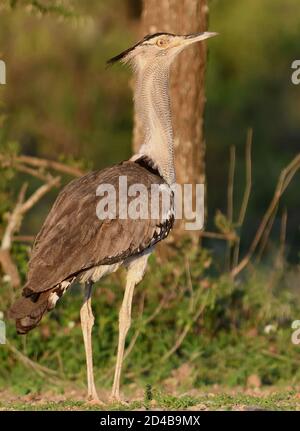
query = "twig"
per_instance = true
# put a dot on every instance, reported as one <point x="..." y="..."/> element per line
<point x="280" y="357"/>
<point x="13" y="220"/>
<point x="23" y="238"/>
<point x="33" y="172"/>
<point x="36" y="162"/>
<point x="280" y="255"/>
<point x="39" y="369"/>
<point x="50" y="164"/>
<point x="9" y="268"/>
<point x="246" y="196"/>
<point x="230" y="191"/>
<point x="14" y="223"/>
<point x="285" y="178"/>
<point x="38" y="194"/>
<point x="190" y="284"/>
<point x="248" y="186"/>
<point x="157" y="310"/>
<point x="216" y="235"/>
<point x="230" y="188"/>
<point x="184" y="333"/>
<point x="266" y="235"/>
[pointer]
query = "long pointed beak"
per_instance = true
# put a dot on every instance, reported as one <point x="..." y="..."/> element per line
<point x="198" y="37"/>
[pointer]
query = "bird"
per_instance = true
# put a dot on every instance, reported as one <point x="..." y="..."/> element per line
<point x="74" y="245"/>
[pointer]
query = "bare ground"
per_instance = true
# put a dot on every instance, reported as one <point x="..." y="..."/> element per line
<point x="215" y="398"/>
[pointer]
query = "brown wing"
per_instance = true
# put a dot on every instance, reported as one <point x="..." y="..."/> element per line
<point x="73" y="239"/>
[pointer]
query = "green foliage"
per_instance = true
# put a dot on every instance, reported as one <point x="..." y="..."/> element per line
<point x="225" y="344"/>
<point x="172" y="402"/>
<point x="56" y="7"/>
<point x="8" y="175"/>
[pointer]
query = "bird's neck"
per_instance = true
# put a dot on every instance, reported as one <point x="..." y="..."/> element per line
<point x="152" y="103"/>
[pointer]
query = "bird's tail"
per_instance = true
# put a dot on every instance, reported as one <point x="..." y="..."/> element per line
<point x="28" y="311"/>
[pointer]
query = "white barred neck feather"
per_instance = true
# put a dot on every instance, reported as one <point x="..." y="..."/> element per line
<point x="152" y="103"/>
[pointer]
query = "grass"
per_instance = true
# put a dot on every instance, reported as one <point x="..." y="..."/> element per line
<point x="236" y="400"/>
<point x="232" y="333"/>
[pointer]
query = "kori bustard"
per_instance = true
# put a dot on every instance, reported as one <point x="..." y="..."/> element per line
<point x="75" y="245"/>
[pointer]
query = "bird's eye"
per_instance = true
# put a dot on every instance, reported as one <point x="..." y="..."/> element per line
<point x="161" y="42"/>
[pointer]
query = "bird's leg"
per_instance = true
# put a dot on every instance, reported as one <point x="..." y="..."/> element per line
<point x="87" y="322"/>
<point x="124" y="325"/>
<point x="136" y="270"/>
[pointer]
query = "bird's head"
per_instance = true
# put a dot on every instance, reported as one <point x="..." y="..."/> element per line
<point x="158" y="47"/>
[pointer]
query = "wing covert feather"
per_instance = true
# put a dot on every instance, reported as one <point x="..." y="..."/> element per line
<point x="73" y="239"/>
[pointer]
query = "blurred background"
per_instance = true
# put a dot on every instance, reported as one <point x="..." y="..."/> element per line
<point x="62" y="103"/>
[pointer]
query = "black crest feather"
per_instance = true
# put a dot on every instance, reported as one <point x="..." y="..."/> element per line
<point x="123" y="54"/>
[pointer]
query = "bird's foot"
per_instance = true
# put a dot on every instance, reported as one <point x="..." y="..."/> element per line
<point x="116" y="399"/>
<point x="94" y="401"/>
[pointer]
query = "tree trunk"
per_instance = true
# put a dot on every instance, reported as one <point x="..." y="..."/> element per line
<point x="187" y="85"/>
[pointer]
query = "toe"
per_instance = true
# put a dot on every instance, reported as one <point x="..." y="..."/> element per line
<point x="94" y="401"/>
